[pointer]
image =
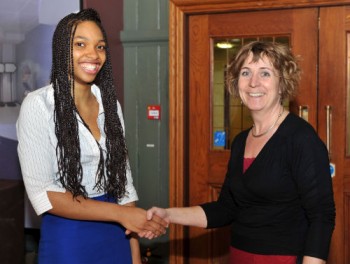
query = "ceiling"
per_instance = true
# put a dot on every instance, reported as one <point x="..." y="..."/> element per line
<point x="16" y="18"/>
<point x="20" y="16"/>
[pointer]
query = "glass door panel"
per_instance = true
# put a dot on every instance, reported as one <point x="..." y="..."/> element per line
<point x="229" y="115"/>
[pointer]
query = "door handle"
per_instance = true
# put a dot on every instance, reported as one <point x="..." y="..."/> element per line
<point x="304" y="112"/>
<point x="329" y="129"/>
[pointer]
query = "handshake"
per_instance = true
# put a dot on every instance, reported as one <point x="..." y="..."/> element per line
<point x="147" y="224"/>
<point x="154" y="222"/>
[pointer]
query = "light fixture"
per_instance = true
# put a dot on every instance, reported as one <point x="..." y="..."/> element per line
<point x="10" y="67"/>
<point x="224" y="45"/>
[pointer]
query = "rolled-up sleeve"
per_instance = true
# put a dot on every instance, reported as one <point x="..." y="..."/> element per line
<point x="35" y="151"/>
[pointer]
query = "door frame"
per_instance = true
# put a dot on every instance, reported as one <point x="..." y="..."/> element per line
<point x="178" y="98"/>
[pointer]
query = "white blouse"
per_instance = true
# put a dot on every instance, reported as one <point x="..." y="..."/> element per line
<point x="37" y="149"/>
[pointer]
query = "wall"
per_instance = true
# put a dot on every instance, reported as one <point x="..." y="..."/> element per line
<point x="111" y="13"/>
<point x="145" y="40"/>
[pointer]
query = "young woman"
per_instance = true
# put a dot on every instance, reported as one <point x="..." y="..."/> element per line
<point x="73" y="154"/>
<point x="277" y="195"/>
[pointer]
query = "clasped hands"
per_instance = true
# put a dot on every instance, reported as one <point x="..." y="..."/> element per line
<point x="146" y="224"/>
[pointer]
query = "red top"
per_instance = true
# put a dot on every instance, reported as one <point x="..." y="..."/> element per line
<point x="242" y="257"/>
<point x="246" y="163"/>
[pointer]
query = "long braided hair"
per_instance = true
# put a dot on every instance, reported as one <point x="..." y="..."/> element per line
<point x="111" y="173"/>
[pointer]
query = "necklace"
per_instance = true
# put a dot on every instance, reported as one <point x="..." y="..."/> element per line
<point x="268" y="130"/>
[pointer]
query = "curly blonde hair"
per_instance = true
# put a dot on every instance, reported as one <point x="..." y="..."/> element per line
<point x="282" y="59"/>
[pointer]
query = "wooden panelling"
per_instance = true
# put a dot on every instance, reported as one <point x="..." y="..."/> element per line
<point x="217" y="6"/>
<point x="347" y="227"/>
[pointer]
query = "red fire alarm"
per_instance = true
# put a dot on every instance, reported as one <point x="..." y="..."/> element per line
<point x="153" y="112"/>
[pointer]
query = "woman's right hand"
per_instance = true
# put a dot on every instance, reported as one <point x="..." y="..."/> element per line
<point x="160" y="212"/>
<point x="135" y="220"/>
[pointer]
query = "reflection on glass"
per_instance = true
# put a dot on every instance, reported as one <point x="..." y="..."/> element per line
<point x="229" y="116"/>
<point x="25" y="64"/>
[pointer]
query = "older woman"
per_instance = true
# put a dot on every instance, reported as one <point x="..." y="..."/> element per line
<point x="277" y="194"/>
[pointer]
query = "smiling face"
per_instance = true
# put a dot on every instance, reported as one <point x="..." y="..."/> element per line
<point x="89" y="53"/>
<point x="258" y="85"/>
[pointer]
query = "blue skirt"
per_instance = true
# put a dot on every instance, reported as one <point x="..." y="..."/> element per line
<point x="67" y="241"/>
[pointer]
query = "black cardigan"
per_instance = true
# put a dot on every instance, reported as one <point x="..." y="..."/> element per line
<point x="283" y="204"/>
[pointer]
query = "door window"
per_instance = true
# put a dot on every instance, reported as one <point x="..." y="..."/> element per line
<point x="229" y="115"/>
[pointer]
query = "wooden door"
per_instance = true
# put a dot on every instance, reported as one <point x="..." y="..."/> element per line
<point x="333" y="124"/>
<point x="207" y="166"/>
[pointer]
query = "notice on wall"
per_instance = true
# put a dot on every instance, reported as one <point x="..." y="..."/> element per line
<point x="153" y="112"/>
